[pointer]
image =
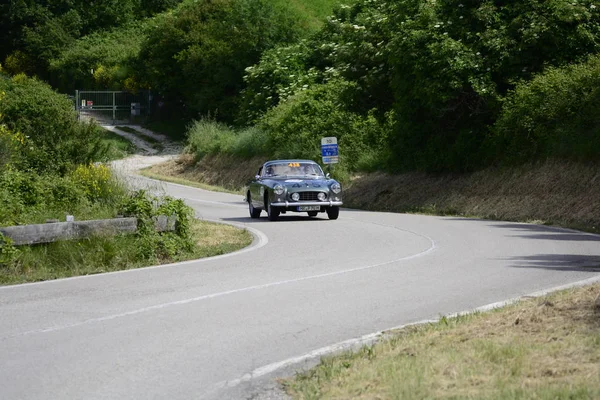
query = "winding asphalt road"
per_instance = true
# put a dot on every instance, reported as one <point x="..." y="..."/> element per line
<point x="223" y="328"/>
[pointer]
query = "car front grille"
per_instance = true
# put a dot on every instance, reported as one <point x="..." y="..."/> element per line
<point x="309" y="196"/>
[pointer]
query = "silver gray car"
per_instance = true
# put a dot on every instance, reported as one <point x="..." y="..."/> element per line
<point x="282" y="186"/>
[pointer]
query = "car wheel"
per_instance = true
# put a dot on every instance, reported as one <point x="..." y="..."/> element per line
<point x="254" y="212"/>
<point x="333" y="212"/>
<point x="312" y="213"/>
<point x="272" y="212"/>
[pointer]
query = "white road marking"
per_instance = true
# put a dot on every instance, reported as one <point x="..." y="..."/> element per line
<point x="371" y="338"/>
<point x="226" y="293"/>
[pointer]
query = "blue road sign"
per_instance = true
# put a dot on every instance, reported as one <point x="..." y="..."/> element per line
<point x="329" y="150"/>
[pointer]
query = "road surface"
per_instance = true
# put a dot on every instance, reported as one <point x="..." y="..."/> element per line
<point x="224" y="328"/>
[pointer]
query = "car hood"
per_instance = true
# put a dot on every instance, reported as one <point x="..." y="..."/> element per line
<point x="305" y="183"/>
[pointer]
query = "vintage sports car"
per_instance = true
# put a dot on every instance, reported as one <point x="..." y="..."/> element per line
<point x="293" y="185"/>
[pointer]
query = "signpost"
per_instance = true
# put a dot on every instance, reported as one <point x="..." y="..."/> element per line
<point x="329" y="150"/>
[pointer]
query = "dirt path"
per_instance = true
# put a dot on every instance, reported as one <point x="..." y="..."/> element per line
<point x="147" y="154"/>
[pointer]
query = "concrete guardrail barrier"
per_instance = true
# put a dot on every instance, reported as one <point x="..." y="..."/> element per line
<point x="52" y="232"/>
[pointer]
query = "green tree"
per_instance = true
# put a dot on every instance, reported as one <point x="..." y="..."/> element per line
<point x="196" y="56"/>
<point x="111" y="55"/>
<point x="453" y="60"/>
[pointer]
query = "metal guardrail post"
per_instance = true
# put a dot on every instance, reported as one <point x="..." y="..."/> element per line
<point x="114" y="107"/>
<point x="77" y="106"/>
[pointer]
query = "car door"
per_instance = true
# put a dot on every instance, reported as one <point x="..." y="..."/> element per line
<point x="255" y="185"/>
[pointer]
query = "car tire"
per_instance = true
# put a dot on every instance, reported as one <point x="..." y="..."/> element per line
<point x="254" y="212"/>
<point x="312" y="213"/>
<point x="272" y="212"/>
<point x="333" y="212"/>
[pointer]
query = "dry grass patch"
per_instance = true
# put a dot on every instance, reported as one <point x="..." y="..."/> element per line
<point x="558" y="193"/>
<point x="546" y="348"/>
<point x="213" y="172"/>
<point x="215" y="239"/>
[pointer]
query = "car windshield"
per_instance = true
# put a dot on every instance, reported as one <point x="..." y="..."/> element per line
<point x="293" y="168"/>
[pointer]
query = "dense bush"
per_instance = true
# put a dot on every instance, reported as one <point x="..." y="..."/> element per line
<point x="555" y="115"/>
<point x="35" y="32"/>
<point x="281" y="73"/>
<point x="195" y="56"/>
<point x="294" y="129"/>
<point x="49" y="136"/>
<point x="453" y="60"/>
<point x="206" y="137"/>
<point x="102" y="60"/>
<point x="442" y="67"/>
<point x="350" y="45"/>
<point x="155" y="245"/>
<point x="32" y="198"/>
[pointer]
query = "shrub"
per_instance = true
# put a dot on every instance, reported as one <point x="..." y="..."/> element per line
<point x="47" y="120"/>
<point x="281" y="73"/>
<point x="153" y="244"/>
<point x="96" y="181"/>
<point x="110" y="54"/>
<point x="295" y="128"/>
<point x="554" y="115"/>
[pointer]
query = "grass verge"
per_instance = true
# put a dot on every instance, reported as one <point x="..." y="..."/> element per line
<point x="118" y="147"/>
<point x="541" y="348"/>
<point x="158" y="173"/>
<point x="222" y="173"/>
<point x="106" y="254"/>
<point x="551" y="193"/>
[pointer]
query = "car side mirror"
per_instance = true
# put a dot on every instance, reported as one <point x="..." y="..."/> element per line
<point x="257" y="177"/>
<point x="328" y="175"/>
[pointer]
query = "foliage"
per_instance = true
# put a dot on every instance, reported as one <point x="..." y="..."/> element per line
<point x="281" y="73"/>
<point x="319" y="112"/>
<point x="453" y="60"/>
<point x="35" y="32"/>
<point x="343" y="48"/>
<point x="32" y="198"/>
<point x="8" y="252"/>
<point x="110" y="55"/>
<point x="94" y="180"/>
<point x="153" y="244"/>
<point x="195" y="56"/>
<point x="443" y="68"/>
<point x="51" y="138"/>
<point x="555" y="115"/>
<point x="207" y="136"/>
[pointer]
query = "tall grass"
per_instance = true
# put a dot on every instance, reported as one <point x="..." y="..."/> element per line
<point x="537" y="349"/>
<point x="208" y="137"/>
<point x="313" y="12"/>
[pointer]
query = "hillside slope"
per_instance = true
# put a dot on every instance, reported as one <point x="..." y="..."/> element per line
<point x="557" y="193"/>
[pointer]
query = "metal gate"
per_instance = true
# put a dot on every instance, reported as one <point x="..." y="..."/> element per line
<point x="112" y="107"/>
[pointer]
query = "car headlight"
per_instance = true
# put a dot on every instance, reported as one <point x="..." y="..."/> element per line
<point x="295" y="196"/>
<point x="278" y="189"/>
<point x="336" y="188"/>
<point x="321" y="196"/>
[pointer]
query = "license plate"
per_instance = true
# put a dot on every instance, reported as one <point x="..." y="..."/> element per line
<point x="309" y="208"/>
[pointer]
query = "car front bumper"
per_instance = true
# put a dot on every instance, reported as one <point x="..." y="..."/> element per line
<point x="288" y="204"/>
